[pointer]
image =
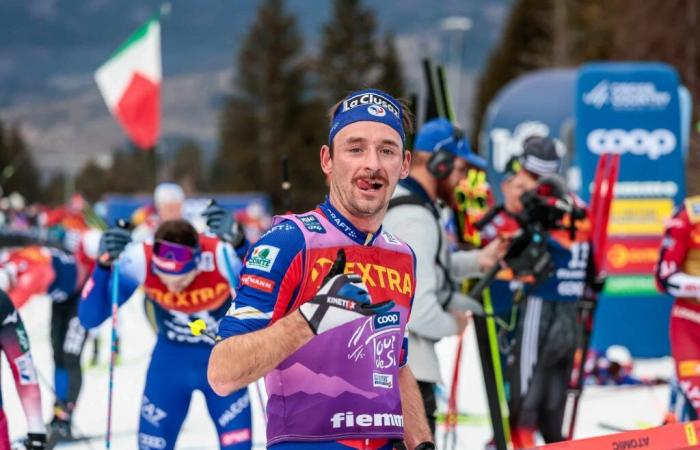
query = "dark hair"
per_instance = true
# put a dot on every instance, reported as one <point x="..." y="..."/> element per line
<point x="178" y="231"/>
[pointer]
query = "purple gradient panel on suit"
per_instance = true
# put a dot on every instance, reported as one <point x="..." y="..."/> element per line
<point x="352" y="390"/>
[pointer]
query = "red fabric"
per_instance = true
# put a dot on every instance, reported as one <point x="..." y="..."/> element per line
<point x="364" y="444"/>
<point x="680" y="236"/>
<point x="34" y="273"/>
<point x="685" y="348"/>
<point x="4" y="433"/>
<point x="138" y="111"/>
<point x="522" y="437"/>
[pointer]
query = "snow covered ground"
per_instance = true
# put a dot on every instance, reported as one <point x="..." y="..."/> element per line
<point x="601" y="407"/>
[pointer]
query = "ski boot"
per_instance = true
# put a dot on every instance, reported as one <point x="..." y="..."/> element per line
<point x="60" y="425"/>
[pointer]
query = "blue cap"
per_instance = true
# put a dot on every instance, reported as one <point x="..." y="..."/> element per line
<point x="441" y="134"/>
<point x="368" y="105"/>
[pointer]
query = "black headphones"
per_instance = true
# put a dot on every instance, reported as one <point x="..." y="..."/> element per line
<point x="442" y="161"/>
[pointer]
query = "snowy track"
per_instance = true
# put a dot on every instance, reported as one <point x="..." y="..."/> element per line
<point x="602" y="408"/>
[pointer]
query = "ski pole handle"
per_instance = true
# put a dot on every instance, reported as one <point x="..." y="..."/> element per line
<point x="199" y="328"/>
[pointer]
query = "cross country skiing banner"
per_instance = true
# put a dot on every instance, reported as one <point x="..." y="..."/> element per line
<point x="518" y="112"/>
<point x="130" y="84"/>
<point x="632" y="109"/>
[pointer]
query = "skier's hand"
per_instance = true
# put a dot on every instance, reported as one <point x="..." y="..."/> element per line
<point x="490" y="255"/>
<point x="342" y="298"/>
<point x="223" y="225"/>
<point x="35" y="441"/>
<point x="112" y="243"/>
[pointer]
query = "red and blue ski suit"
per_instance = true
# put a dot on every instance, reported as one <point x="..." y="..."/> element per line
<point x="678" y="274"/>
<point x="179" y="360"/>
<point x="340" y="390"/>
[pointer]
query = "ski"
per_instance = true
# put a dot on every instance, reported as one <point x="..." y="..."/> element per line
<point x="601" y="199"/>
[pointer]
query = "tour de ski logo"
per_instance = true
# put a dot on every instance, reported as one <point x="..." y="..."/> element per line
<point x="263" y="258"/>
<point x="378" y="335"/>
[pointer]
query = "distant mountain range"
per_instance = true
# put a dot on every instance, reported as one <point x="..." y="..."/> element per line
<point x="50" y="50"/>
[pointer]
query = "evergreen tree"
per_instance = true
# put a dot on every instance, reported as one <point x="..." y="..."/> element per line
<point x="131" y="172"/>
<point x="353" y="57"/>
<point x="391" y="76"/>
<point x="18" y="172"/>
<point x="551" y="33"/>
<point x="187" y="168"/>
<point x="54" y="192"/>
<point x="349" y="58"/>
<point x="92" y="181"/>
<point x="270" y="113"/>
<point x="666" y="31"/>
<point x="526" y="45"/>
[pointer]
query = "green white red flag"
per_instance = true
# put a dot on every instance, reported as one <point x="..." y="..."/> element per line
<point x="130" y="84"/>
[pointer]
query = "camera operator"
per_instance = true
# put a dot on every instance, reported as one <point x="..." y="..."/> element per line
<point x="545" y="338"/>
<point x="441" y="158"/>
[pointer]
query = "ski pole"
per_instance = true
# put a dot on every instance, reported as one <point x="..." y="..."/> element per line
<point x="112" y="359"/>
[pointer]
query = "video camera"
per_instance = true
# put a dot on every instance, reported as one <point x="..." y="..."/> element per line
<point x="547" y="207"/>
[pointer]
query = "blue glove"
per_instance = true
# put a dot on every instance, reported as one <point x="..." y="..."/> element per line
<point x="342" y="298"/>
<point x="223" y="225"/>
<point x="112" y="244"/>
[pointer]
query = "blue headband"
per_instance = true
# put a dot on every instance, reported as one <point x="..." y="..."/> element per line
<point x="368" y="105"/>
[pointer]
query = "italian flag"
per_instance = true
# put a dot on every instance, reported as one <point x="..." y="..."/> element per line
<point x="130" y="85"/>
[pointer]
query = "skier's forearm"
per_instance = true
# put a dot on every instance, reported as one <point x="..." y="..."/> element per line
<point x="95" y="304"/>
<point x="240" y="360"/>
<point x="415" y="424"/>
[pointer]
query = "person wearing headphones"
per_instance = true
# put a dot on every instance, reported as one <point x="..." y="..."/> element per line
<point x="441" y="158"/>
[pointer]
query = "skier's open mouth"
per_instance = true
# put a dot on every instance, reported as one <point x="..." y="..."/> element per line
<point x="369" y="185"/>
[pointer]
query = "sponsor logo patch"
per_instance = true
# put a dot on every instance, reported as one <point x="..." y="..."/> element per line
<point x="263" y="257"/>
<point x="25" y="367"/>
<point x="234" y="410"/>
<point x="387" y="320"/>
<point x="259" y="283"/>
<point x="382" y="380"/>
<point x="235" y="436"/>
<point x="149" y="441"/>
<point x="370" y="99"/>
<point x="626" y="96"/>
<point x="376" y="110"/>
<point x="151" y="413"/>
<point x="350" y="420"/>
<point x="390" y="238"/>
<point x="650" y="143"/>
<point x="689" y="368"/>
<point x="312" y="224"/>
<point x="206" y="262"/>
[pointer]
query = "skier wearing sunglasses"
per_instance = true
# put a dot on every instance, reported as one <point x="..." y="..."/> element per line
<point x="185" y="275"/>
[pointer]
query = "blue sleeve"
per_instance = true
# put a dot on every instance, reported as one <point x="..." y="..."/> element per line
<point x="95" y="305"/>
<point x="270" y="278"/>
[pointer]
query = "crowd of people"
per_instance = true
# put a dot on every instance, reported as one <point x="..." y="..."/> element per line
<point x="338" y="308"/>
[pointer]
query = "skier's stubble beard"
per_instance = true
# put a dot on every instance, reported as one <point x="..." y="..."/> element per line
<point x="360" y="203"/>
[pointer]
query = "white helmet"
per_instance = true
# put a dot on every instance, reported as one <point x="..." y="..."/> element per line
<point x="168" y="193"/>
